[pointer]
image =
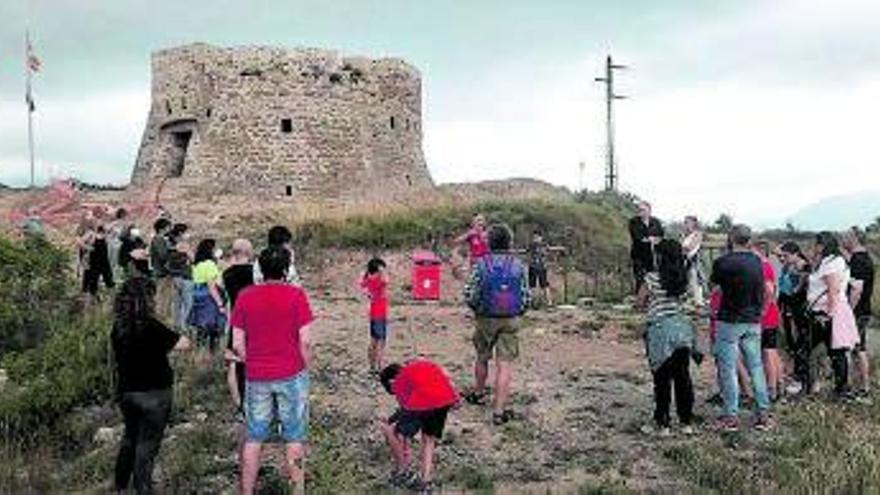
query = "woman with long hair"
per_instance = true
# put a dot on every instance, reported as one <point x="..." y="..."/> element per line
<point x="208" y="312"/>
<point x="829" y="310"/>
<point x="144" y="377"/>
<point x="670" y="338"/>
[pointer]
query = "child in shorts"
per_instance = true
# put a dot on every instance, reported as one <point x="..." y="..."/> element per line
<point x="374" y="284"/>
<point x="424" y="394"/>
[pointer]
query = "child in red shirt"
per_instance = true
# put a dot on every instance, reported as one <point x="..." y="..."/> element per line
<point x="374" y="284"/>
<point x="770" y="320"/>
<point x="424" y="394"/>
<point x="477" y="239"/>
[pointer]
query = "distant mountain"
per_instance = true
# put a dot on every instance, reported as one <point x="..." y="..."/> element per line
<point x="839" y="212"/>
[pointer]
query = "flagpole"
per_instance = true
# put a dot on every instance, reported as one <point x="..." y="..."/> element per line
<point x="30" y="104"/>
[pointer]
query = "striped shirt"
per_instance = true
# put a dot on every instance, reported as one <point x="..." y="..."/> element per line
<point x="659" y="304"/>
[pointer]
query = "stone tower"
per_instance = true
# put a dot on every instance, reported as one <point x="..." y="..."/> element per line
<point x="271" y="122"/>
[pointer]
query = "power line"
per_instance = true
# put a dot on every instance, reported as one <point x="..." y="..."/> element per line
<point x="611" y="172"/>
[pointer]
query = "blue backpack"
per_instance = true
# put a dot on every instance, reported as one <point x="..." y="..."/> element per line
<point x="501" y="287"/>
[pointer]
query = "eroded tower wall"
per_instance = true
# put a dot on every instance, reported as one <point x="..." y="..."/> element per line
<point x="276" y="122"/>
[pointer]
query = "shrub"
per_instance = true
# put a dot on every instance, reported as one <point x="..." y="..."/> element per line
<point x="34" y="291"/>
<point x="70" y="369"/>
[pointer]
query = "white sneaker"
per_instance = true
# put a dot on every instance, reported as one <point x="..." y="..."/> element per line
<point x="664" y="432"/>
<point x="688" y="430"/>
<point x="794" y="388"/>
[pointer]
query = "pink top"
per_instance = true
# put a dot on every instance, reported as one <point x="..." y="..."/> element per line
<point x="770" y="319"/>
<point x="478" y="242"/>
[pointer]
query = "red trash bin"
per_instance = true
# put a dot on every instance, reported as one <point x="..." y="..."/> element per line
<point x="426" y="271"/>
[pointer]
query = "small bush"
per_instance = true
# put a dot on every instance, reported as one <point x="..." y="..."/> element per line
<point x="35" y="291"/>
<point x="69" y="370"/>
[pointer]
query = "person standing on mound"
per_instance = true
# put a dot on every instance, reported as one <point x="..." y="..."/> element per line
<point x="645" y="231"/>
<point x="498" y="294"/>
<point x="424" y="394"/>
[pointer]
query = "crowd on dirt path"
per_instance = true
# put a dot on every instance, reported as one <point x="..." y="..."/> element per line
<point x="767" y="311"/>
<point x="173" y="294"/>
<point x="771" y="310"/>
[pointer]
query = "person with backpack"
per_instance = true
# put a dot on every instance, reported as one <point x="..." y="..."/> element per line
<point x="208" y="311"/>
<point x="425" y="394"/>
<point x="374" y="284"/>
<point x="498" y="294"/>
<point x="670" y="338"/>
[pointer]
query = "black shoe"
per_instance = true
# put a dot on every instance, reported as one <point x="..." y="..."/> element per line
<point x="503" y="417"/>
<point x="403" y="479"/>
<point x="476" y="398"/>
<point x="425" y="488"/>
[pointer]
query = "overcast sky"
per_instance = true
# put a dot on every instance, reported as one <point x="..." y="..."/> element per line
<point x="756" y="108"/>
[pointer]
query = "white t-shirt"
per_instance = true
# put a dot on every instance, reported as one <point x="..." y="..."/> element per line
<point x="691" y="243"/>
<point x="817" y="290"/>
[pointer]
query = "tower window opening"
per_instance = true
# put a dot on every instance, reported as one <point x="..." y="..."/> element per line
<point x="391" y="122"/>
<point x="287" y="127"/>
<point x="288" y="190"/>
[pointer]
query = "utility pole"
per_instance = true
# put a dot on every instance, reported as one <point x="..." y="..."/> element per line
<point x="581" y="167"/>
<point x="610" y="163"/>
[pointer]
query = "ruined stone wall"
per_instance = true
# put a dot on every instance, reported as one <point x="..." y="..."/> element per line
<point x="303" y="123"/>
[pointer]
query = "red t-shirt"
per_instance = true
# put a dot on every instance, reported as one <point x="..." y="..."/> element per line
<point x="478" y="242"/>
<point x="422" y="386"/>
<point x="271" y="316"/>
<point x="377" y="287"/>
<point x="770" y="318"/>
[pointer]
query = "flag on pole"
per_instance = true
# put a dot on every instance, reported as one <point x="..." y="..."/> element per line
<point x="33" y="64"/>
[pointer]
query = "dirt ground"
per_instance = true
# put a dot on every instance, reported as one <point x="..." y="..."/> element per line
<point x="582" y="391"/>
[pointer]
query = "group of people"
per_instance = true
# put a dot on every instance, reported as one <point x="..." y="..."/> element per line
<point x="760" y="301"/>
<point x="258" y="304"/>
<point x="171" y="298"/>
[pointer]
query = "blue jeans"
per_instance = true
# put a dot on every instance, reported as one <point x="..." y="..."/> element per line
<point x="285" y="401"/>
<point x="733" y="338"/>
<point x="183" y="299"/>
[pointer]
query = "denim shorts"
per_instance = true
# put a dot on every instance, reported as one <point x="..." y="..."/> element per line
<point x="283" y="401"/>
<point x="378" y="329"/>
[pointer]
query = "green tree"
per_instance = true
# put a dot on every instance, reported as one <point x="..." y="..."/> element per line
<point x="723" y="223"/>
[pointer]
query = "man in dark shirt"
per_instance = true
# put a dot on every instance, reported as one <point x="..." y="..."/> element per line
<point x="740" y="276"/>
<point x="144" y="376"/>
<point x="159" y="251"/>
<point x="236" y="278"/>
<point x="645" y="232"/>
<point x="861" y="290"/>
<point x="538" y="279"/>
